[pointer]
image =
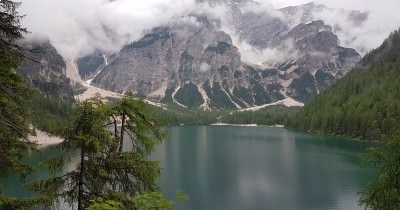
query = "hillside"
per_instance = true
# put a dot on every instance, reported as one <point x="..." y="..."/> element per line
<point x="365" y="103"/>
<point x="51" y="94"/>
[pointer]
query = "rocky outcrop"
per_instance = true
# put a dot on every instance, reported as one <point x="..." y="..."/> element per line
<point x="320" y="60"/>
<point x="45" y="69"/>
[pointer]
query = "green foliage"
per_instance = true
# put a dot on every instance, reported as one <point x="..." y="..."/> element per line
<point x="324" y="80"/>
<point x="87" y="134"/>
<point x="10" y="22"/>
<point x="304" y="87"/>
<point x="105" y="166"/>
<point x="101" y="204"/>
<point x="260" y="96"/>
<point x="13" y="121"/>
<point x="142" y="130"/>
<point x="141" y="201"/>
<point x="218" y="96"/>
<point x="364" y="104"/>
<point x="177" y="115"/>
<point x="384" y="192"/>
<point x="13" y="113"/>
<point x="48" y="113"/>
<point x="189" y="96"/>
<point x="243" y="94"/>
<point x="11" y="203"/>
<point x="152" y="201"/>
<point x="268" y="116"/>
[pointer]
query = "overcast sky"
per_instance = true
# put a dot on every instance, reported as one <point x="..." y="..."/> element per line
<point x="347" y="4"/>
<point x="79" y="26"/>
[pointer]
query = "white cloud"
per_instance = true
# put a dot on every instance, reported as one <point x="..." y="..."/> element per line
<point x="383" y="19"/>
<point x="77" y="27"/>
<point x="205" y="67"/>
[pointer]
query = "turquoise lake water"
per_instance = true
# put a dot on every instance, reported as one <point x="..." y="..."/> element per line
<point x="232" y="167"/>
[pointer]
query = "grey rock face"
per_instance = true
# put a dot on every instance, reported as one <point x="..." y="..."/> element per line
<point x="320" y="60"/>
<point x="195" y="64"/>
<point x="46" y="70"/>
<point x="260" y="29"/>
<point x="90" y="64"/>
<point x="175" y="60"/>
<point x="302" y="14"/>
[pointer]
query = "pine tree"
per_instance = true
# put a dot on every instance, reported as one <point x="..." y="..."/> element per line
<point x="105" y="168"/>
<point x="13" y="121"/>
<point x="384" y="192"/>
<point x="13" y="124"/>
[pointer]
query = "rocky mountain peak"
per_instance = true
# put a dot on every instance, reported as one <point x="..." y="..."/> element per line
<point x="304" y="30"/>
<point x="194" y="63"/>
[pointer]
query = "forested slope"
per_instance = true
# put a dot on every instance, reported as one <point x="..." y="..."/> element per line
<point x="365" y="103"/>
<point x="51" y="96"/>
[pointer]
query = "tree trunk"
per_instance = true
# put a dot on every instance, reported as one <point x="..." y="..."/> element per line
<point x="115" y="127"/>
<point x="116" y="132"/>
<point x="80" y="184"/>
<point x="121" y="141"/>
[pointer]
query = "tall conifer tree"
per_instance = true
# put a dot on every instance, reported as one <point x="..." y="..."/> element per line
<point x="13" y="114"/>
<point x="105" y="168"/>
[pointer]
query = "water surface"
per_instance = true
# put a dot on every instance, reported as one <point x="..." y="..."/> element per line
<point x="230" y="167"/>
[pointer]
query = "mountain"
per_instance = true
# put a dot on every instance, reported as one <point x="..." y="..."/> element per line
<point x="311" y="11"/>
<point x="184" y="63"/>
<point x="365" y="103"/>
<point x="89" y="65"/>
<point x="197" y="60"/>
<point x="51" y="93"/>
<point x="45" y="69"/>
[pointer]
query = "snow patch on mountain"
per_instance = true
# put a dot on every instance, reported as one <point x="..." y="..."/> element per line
<point x="289" y="102"/>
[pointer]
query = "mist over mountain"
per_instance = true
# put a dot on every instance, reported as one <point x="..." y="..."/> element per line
<point x="365" y="103"/>
<point x="244" y="59"/>
<point x="77" y="28"/>
<point x="209" y="53"/>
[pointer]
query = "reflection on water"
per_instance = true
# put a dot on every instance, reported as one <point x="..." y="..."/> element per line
<point x="261" y="168"/>
<point x="232" y="167"/>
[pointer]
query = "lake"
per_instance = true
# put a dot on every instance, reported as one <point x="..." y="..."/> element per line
<point x="232" y="167"/>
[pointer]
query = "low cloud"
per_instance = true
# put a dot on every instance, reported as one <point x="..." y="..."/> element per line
<point x="77" y="27"/>
<point x="363" y="36"/>
<point x="382" y="20"/>
<point x="267" y="57"/>
<point x="248" y="52"/>
<point x="204" y="67"/>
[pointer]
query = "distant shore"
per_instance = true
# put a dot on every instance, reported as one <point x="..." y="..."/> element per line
<point x="246" y="125"/>
<point x="44" y="139"/>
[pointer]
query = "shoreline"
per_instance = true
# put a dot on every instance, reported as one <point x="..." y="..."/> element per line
<point x="227" y="124"/>
<point x="239" y="125"/>
<point x="44" y="139"/>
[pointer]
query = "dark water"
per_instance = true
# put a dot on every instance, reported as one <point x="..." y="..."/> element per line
<point x="229" y="167"/>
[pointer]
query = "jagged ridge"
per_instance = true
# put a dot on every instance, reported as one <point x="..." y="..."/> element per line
<point x="195" y="64"/>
